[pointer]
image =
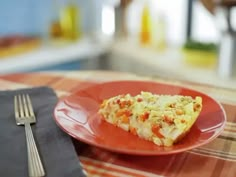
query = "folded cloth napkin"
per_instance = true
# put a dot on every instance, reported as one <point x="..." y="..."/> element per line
<point x="55" y="147"/>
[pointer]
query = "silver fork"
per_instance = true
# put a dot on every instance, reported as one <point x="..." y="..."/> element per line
<point x="24" y="115"/>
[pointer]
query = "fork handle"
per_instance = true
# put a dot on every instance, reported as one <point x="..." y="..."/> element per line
<point x="34" y="162"/>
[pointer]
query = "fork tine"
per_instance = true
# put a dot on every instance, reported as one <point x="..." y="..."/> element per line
<point x="31" y="112"/>
<point x="21" y="106"/>
<point x="25" y="106"/>
<point x="25" y="116"/>
<point x="16" y="107"/>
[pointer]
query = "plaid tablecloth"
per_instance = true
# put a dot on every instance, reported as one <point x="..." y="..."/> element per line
<point x="216" y="159"/>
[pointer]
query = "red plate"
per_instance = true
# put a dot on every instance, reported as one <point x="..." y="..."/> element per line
<point x="77" y="115"/>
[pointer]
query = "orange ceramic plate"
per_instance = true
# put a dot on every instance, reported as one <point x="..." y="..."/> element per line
<point x="77" y="115"/>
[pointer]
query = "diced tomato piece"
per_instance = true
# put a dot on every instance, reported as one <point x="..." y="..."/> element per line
<point x="125" y="119"/>
<point x="196" y="106"/>
<point x="133" y="130"/>
<point x="144" y="116"/>
<point x="156" y="131"/>
<point x="168" y="120"/>
<point x="128" y="113"/>
<point x="119" y="113"/>
<point x="118" y="101"/>
<point x="124" y="103"/>
<point x="128" y="103"/>
<point x="139" y="99"/>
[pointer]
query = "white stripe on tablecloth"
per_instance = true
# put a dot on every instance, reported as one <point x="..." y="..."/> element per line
<point x="105" y="164"/>
<point x="228" y="156"/>
<point x="230" y="124"/>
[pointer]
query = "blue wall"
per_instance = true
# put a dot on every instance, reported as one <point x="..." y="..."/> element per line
<point x="34" y="16"/>
<point x="24" y="16"/>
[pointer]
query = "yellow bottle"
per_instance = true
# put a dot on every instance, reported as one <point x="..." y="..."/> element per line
<point x="69" y="21"/>
<point x="145" y="32"/>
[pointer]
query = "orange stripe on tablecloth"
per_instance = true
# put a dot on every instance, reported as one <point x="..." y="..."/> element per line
<point x="33" y="79"/>
<point x="112" y="168"/>
<point x="99" y="172"/>
<point x="92" y="172"/>
<point x="14" y="77"/>
<point x="41" y="79"/>
<point x="69" y="84"/>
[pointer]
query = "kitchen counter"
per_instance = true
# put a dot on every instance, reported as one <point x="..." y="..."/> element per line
<point x="130" y="56"/>
<point x="50" y="55"/>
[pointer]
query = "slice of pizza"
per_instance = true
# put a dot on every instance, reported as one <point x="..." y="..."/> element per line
<point x="162" y="119"/>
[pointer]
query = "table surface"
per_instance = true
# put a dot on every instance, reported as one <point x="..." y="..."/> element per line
<point x="215" y="159"/>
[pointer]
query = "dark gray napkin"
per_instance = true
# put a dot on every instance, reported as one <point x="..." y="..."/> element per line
<point x="55" y="147"/>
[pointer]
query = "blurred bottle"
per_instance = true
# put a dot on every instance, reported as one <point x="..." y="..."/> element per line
<point x="55" y="29"/>
<point x="70" y="21"/>
<point x="159" y="33"/>
<point x="145" y="32"/>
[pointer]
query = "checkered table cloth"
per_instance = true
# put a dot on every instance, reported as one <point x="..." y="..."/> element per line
<point x="215" y="159"/>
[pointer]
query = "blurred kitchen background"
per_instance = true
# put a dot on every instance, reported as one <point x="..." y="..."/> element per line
<point x="192" y="40"/>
